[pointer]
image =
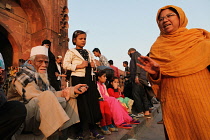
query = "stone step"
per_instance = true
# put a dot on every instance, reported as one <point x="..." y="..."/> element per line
<point x="125" y="134"/>
<point x="122" y="134"/>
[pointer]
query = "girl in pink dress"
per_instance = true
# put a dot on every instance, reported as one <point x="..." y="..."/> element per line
<point x="119" y="115"/>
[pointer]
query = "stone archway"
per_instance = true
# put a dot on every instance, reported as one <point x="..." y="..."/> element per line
<point x="26" y="23"/>
<point x="18" y="26"/>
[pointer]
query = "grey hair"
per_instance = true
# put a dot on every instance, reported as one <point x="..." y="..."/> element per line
<point x="32" y="58"/>
<point x="131" y="49"/>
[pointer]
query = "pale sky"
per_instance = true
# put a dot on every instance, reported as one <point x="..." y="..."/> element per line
<point x="114" y="26"/>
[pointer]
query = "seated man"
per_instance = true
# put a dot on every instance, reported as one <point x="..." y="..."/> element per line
<point x="48" y="111"/>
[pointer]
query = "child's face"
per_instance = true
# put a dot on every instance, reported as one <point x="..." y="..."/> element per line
<point x="102" y="78"/>
<point x="80" y="41"/>
<point x="116" y="81"/>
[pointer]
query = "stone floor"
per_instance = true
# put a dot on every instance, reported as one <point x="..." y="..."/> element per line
<point x="138" y="132"/>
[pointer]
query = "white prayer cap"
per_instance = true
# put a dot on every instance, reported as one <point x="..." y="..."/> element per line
<point x="39" y="50"/>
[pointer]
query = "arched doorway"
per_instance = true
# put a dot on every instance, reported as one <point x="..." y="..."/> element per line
<point x="5" y="48"/>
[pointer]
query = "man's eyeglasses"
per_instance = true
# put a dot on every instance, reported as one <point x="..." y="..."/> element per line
<point x="168" y="16"/>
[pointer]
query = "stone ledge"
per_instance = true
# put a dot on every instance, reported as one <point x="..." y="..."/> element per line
<point x="124" y="134"/>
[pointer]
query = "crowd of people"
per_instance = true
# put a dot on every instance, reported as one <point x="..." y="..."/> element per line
<point x="50" y="95"/>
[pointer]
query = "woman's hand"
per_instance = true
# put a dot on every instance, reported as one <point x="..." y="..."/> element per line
<point x="150" y="66"/>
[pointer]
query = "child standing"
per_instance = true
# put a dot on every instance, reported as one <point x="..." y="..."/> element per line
<point x="115" y="91"/>
<point x="120" y="116"/>
<point x="81" y="63"/>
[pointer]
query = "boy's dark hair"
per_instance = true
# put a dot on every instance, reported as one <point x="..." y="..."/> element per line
<point x="96" y="50"/>
<point x="75" y="35"/>
<point x="46" y="42"/>
<point x="110" y="62"/>
<point x="125" y="62"/>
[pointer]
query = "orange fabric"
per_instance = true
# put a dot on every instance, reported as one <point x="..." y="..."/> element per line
<point x="184" y="83"/>
<point x="182" y="52"/>
<point x="185" y="106"/>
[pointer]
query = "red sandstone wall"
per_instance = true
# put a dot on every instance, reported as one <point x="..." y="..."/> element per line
<point x="28" y="22"/>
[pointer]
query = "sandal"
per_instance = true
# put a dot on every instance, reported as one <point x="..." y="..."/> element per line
<point x="132" y="115"/>
<point x="106" y="132"/>
<point x="134" y="122"/>
<point x="139" y="115"/>
<point x="114" y="129"/>
<point x="125" y="125"/>
<point x="96" y="135"/>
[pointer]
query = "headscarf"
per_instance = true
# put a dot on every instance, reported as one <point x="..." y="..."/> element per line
<point x="182" y="52"/>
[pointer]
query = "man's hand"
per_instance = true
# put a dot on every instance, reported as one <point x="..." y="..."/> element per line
<point x="67" y="91"/>
<point x="80" y="88"/>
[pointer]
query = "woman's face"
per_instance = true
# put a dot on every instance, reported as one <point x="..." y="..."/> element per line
<point x="168" y="21"/>
<point x="80" y="41"/>
<point x="102" y="78"/>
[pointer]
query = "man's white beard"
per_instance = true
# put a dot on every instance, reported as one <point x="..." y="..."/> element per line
<point x="44" y="78"/>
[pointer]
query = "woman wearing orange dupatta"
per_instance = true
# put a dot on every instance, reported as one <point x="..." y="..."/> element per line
<point x="177" y="68"/>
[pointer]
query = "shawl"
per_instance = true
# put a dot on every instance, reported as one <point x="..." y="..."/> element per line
<point x="27" y="75"/>
<point x="182" y="52"/>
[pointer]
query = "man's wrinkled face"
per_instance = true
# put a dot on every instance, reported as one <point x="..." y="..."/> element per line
<point x="41" y="63"/>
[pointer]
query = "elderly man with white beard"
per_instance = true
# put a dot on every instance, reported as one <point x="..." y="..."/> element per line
<point x="48" y="111"/>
